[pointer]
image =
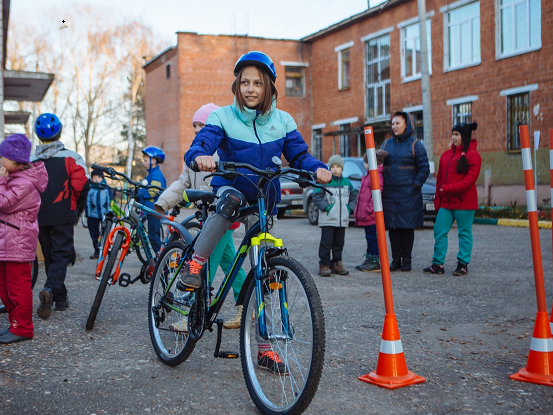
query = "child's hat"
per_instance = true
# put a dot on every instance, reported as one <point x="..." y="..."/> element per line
<point x="465" y="129"/>
<point x="16" y="147"/>
<point x="204" y="111"/>
<point x="96" y="172"/>
<point x="336" y="159"/>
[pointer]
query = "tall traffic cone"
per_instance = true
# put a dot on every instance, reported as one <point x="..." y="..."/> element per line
<point x="391" y="369"/>
<point x="539" y="368"/>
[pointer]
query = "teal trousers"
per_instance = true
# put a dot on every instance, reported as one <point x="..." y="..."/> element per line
<point x="444" y="222"/>
<point x="223" y="255"/>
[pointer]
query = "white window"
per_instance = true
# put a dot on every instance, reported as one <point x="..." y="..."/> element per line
<point x="295" y="81"/>
<point x="411" y="51"/>
<point x="378" y="77"/>
<point x="343" y="65"/>
<point x="462" y="113"/>
<point x="317" y="143"/>
<point x="463" y="36"/>
<point x="519" y="26"/>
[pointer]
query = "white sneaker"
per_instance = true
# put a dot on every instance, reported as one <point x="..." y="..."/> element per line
<point x="235" y="322"/>
<point x="180" y="326"/>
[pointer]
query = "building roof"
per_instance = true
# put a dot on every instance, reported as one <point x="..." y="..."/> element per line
<point x="26" y="86"/>
<point x="372" y="12"/>
<point x="160" y="58"/>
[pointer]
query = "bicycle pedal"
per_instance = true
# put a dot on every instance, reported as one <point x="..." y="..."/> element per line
<point x="228" y="355"/>
<point x="182" y="287"/>
<point x="125" y="280"/>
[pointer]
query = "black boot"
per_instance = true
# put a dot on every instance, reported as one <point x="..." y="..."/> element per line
<point x="395" y="244"/>
<point x="406" y="264"/>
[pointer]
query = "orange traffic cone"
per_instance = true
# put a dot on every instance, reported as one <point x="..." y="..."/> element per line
<point x="391" y="369"/>
<point x="539" y="368"/>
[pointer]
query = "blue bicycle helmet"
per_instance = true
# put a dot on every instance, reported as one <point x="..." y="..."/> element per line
<point x="258" y="59"/>
<point x="48" y="127"/>
<point x="155" y="153"/>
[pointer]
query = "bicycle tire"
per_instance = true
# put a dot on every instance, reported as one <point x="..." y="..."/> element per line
<point x="34" y="273"/>
<point x="106" y="229"/>
<point x="113" y="256"/>
<point x="172" y="347"/>
<point x="302" y="353"/>
<point x="84" y="221"/>
<point x="138" y="246"/>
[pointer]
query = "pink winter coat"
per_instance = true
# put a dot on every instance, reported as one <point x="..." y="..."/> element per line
<point x="19" y="205"/>
<point x="364" y="211"/>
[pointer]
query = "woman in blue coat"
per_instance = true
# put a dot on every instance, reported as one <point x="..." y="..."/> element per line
<point x="405" y="171"/>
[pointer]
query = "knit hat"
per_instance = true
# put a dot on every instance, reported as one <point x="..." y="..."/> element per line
<point x="16" y="147"/>
<point x="96" y="172"/>
<point x="380" y="156"/>
<point x="465" y="129"/>
<point x="204" y="111"/>
<point x="336" y="159"/>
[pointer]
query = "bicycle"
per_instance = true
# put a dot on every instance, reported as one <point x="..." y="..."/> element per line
<point x="127" y="230"/>
<point x="281" y="304"/>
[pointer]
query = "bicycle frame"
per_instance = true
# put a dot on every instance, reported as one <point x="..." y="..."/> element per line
<point x="252" y="240"/>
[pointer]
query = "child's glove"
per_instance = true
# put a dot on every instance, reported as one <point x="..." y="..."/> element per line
<point x="328" y="208"/>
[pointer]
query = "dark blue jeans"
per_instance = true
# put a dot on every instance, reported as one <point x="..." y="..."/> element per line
<point x="154" y="227"/>
<point x="372" y="240"/>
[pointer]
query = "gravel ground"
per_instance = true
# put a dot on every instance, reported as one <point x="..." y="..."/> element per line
<point x="466" y="335"/>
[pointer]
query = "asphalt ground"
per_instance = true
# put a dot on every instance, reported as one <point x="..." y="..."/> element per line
<point x="465" y="335"/>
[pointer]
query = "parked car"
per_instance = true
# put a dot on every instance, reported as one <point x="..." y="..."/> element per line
<point x="354" y="170"/>
<point x="290" y="196"/>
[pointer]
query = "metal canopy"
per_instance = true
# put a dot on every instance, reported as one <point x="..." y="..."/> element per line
<point x="16" y="117"/>
<point x="26" y="86"/>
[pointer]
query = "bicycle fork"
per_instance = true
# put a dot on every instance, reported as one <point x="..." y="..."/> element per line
<point x="107" y="245"/>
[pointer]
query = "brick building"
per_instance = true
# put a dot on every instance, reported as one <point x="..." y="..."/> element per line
<point x="199" y="70"/>
<point x="491" y="62"/>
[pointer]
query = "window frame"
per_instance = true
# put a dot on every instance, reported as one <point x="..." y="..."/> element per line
<point x="317" y="141"/>
<point x="168" y="71"/>
<point x="446" y="12"/>
<point x="340" y="50"/>
<point x="385" y="84"/>
<point x="404" y="26"/>
<point x="302" y="77"/>
<point x="498" y="30"/>
<point x="510" y="146"/>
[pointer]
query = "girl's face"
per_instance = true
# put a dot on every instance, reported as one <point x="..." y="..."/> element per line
<point x="398" y="125"/>
<point x="197" y="126"/>
<point x="252" y="89"/>
<point x="8" y="164"/>
<point x="456" y="138"/>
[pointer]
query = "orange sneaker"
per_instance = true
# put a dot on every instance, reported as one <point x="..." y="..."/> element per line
<point x="270" y="361"/>
<point x="191" y="275"/>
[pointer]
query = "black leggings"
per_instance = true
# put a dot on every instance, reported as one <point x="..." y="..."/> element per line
<point x="401" y="241"/>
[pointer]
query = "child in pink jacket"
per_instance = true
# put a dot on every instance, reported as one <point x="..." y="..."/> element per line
<point x="364" y="215"/>
<point x="21" y="184"/>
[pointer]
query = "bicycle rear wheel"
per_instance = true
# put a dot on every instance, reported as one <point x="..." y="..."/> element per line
<point x="291" y="390"/>
<point x="169" y="327"/>
<point x="113" y="256"/>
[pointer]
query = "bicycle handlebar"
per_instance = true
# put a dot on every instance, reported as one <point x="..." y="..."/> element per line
<point x="112" y="173"/>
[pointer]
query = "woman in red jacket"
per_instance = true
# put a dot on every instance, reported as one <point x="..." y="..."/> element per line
<point x="456" y="198"/>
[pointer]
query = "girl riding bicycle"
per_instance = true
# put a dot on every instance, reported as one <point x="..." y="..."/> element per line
<point x="251" y="130"/>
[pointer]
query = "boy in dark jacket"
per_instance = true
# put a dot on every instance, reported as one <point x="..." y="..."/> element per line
<point x="334" y="218"/>
<point x="97" y="205"/>
<point x="67" y="189"/>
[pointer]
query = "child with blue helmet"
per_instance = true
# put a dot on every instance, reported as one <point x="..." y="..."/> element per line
<point x="152" y="157"/>
<point x="252" y="130"/>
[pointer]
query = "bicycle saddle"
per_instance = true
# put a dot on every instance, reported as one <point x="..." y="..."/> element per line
<point x="191" y="195"/>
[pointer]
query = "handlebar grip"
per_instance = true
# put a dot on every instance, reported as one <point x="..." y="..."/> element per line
<point x="194" y="166"/>
<point x="101" y="168"/>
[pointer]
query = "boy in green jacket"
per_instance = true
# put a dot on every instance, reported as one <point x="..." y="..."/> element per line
<point x="334" y="218"/>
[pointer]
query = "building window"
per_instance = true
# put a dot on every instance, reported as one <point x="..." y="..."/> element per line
<point x="518" y="113"/>
<point x="462" y="113"/>
<point x="519" y="26"/>
<point x="378" y="77"/>
<point x="343" y="76"/>
<point x="168" y="71"/>
<point x="418" y="124"/>
<point x="295" y="82"/>
<point x="317" y="143"/>
<point x="411" y="51"/>
<point x="345" y="148"/>
<point x="463" y="33"/>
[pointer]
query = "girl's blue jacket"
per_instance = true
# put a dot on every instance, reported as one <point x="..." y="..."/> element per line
<point x="250" y="137"/>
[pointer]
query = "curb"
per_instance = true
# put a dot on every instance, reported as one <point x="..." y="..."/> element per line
<point x="516" y="223"/>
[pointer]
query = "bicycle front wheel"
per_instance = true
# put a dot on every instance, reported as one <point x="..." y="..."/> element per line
<point x="113" y="256"/>
<point x="287" y="387"/>
<point x="168" y="311"/>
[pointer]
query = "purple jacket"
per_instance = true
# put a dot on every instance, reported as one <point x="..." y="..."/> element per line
<point x="364" y="211"/>
<point x="19" y="206"/>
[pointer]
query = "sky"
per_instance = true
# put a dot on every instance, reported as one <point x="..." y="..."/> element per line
<point x="288" y="19"/>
